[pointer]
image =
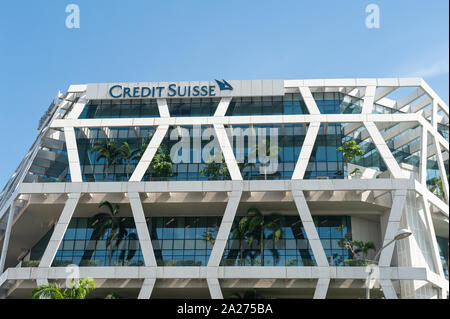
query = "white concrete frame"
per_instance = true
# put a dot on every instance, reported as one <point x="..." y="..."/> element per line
<point x="423" y="106"/>
<point x="147" y="288"/>
<point x="307" y="148"/>
<point x="224" y="229"/>
<point x="392" y="227"/>
<point x="142" y="230"/>
<point x="59" y="230"/>
<point x="310" y="229"/>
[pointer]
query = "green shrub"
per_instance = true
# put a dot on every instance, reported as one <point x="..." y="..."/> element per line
<point x="31" y="263"/>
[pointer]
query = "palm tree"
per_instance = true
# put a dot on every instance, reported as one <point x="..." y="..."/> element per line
<point x="107" y="150"/>
<point x="239" y="232"/>
<point x="130" y="252"/>
<point x="355" y="246"/>
<point x="102" y="222"/>
<point x="258" y="223"/>
<point x="79" y="290"/>
<point x="364" y="247"/>
<point x="129" y="155"/>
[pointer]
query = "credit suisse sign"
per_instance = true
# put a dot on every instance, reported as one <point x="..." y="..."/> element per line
<point x="171" y="90"/>
<point x="216" y="88"/>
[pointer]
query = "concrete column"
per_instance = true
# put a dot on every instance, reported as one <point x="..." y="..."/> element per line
<point x="369" y="98"/>
<point x="72" y="155"/>
<point x="310" y="103"/>
<point x="77" y="108"/>
<point x="214" y="288"/>
<point x="163" y="107"/>
<point x="423" y="156"/>
<point x="392" y="227"/>
<point x="147" y="288"/>
<point x="388" y="289"/>
<point x="321" y="288"/>
<point x="60" y="230"/>
<point x="227" y="151"/>
<point x="416" y="250"/>
<point x="305" y="153"/>
<point x="142" y="230"/>
<point x="436" y="257"/>
<point x="310" y="229"/>
<point x="224" y="229"/>
<point x="223" y="106"/>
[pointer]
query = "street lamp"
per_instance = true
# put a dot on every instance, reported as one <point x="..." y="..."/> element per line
<point x="401" y="234"/>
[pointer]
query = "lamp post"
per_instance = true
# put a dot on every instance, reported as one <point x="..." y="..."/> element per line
<point x="401" y="234"/>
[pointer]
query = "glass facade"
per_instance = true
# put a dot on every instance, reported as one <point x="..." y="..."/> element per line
<point x="267" y="105"/>
<point x="50" y="164"/>
<point x="120" y="109"/>
<point x="193" y="107"/>
<point x="289" y="139"/>
<point x="434" y="182"/>
<point x="183" y="241"/>
<point x="326" y="161"/>
<point x="81" y="248"/>
<point x="371" y="158"/>
<point x="293" y="248"/>
<point x="337" y="103"/>
<point x="188" y="241"/>
<point x="177" y="241"/>
<point x="193" y="168"/>
<point x="292" y="103"/>
<point x="443" y="130"/>
<point x="94" y="169"/>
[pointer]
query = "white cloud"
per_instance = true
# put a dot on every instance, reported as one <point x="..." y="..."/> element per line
<point x="427" y="64"/>
<point x="437" y="68"/>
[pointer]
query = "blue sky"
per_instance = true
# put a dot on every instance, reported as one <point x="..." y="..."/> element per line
<point x="137" y="40"/>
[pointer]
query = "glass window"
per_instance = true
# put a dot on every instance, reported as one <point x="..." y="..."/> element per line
<point x="293" y="244"/>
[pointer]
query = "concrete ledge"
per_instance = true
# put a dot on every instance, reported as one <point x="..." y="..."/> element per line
<point x="402" y="273"/>
<point x="235" y="120"/>
<point x="211" y="186"/>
